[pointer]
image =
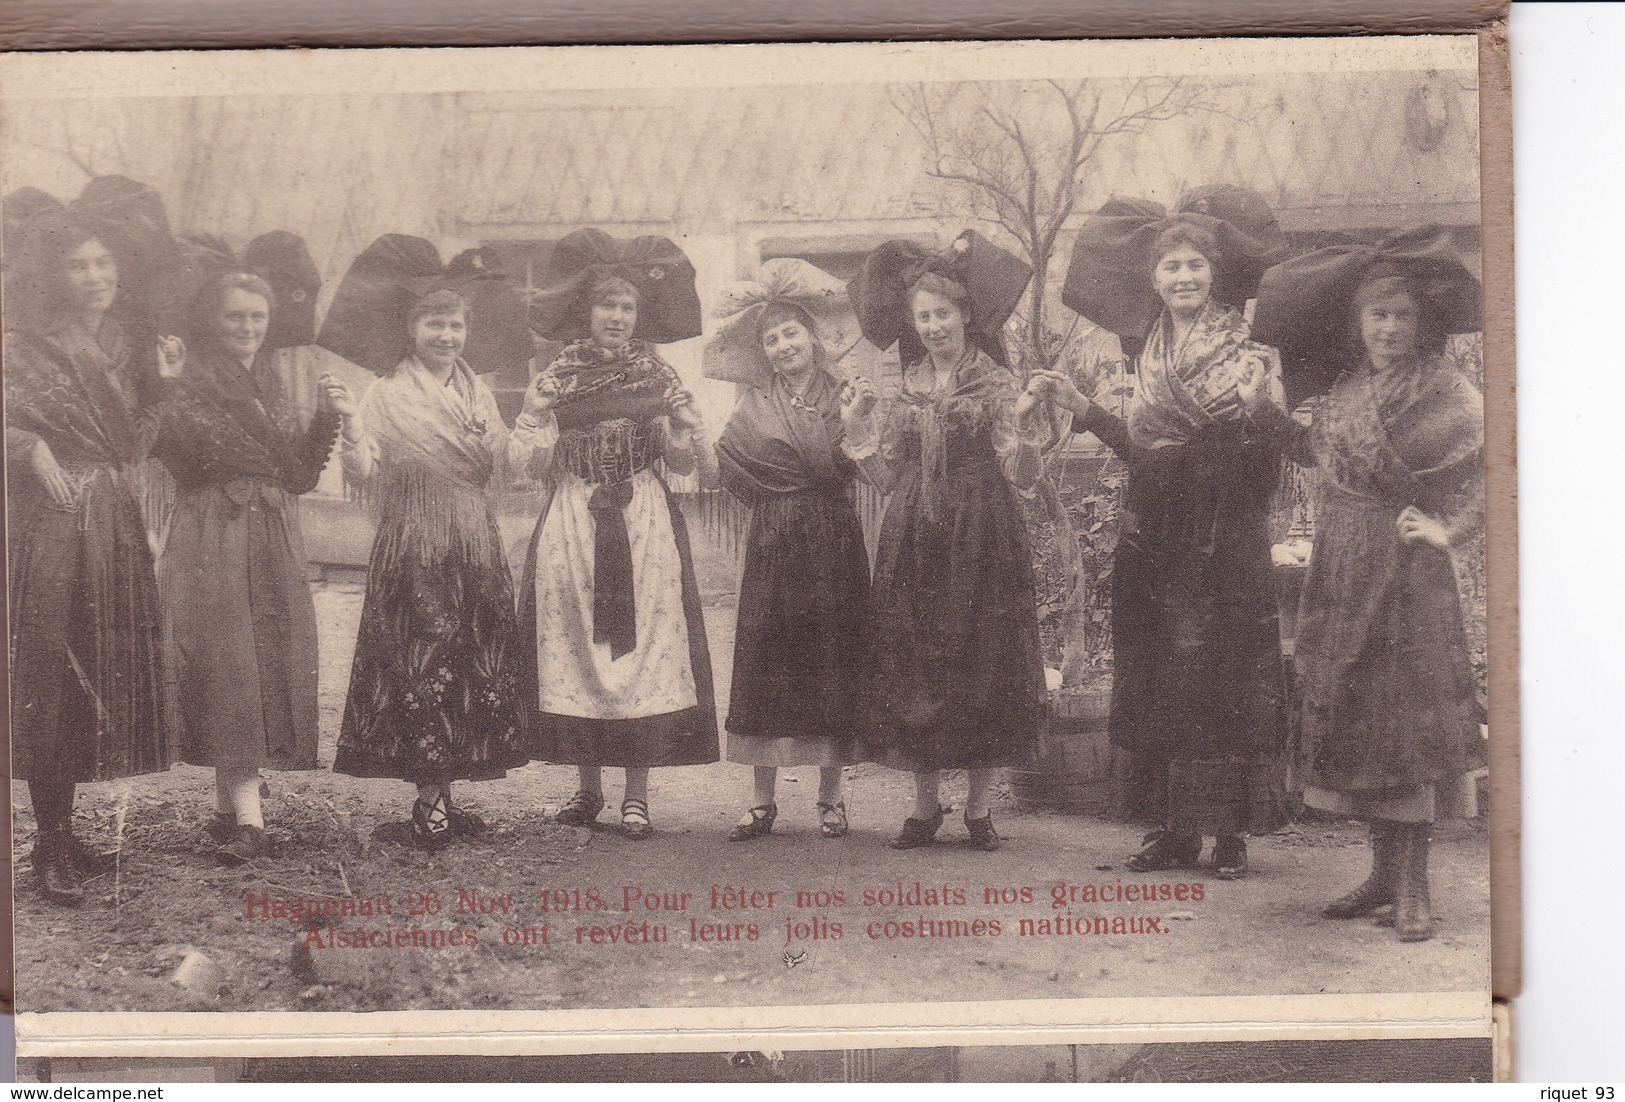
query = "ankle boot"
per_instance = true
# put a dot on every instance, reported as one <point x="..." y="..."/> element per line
<point x="55" y="873"/>
<point x="1230" y="857"/>
<point x="87" y="859"/>
<point x="1413" y="916"/>
<point x="1378" y="888"/>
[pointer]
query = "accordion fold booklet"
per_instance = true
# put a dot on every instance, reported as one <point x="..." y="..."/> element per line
<point x="826" y="562"/>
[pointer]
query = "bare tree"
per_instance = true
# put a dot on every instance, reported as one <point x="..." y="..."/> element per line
<point x="1022" y="153"/>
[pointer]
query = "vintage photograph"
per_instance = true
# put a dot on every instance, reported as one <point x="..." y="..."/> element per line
<point x="795" y="532"/>
<point x="1451" y="1060"/>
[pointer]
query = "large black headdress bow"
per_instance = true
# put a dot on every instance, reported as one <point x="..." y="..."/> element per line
<point x="994" y="280"/>
<point x="279" y="257"/>
<point x="367" y="322"/>
<point x="1109" y="278"/>
<point x="125" y="216"/>
<point x="668" y="305"/>
<point x="1305" y="305"/>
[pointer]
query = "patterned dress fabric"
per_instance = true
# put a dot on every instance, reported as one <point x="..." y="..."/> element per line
<point x="621" y="674"/>
<point x="434" y="690"/>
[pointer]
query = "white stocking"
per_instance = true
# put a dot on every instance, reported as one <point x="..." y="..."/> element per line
<point x="238" y="791"/>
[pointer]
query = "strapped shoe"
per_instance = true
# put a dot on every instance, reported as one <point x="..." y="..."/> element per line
<point x="581" y="810"/>
<point x="1164" y="849"/>
<point x="431" y="824"/>
<point x="635" y="822"/>
<point x="251" y="842"/>
<point x="757" y="823"/>
<point x="464" y="822"/>
<point x="832" y="819"/>
<point x="918" y="832"/>
<point x="982" y="834"/>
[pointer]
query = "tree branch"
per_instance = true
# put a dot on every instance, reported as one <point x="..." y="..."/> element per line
<point x="1024" y="171"/>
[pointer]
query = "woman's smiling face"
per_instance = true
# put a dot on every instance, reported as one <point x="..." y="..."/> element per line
<point x="1389" y="326"/>
<point x="940" y="324"/>
<point x="92" y="277"/>
<point x="240" y="322"/>
<point x="438" y="338"/>
<point x="614" y="318"/>
<point x="1183" y="277"/>
<point x="789" y="347"/>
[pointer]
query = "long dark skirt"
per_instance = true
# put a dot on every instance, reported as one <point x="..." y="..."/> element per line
<point x="953" y="676"/>
<point x="1381" y="654"/>
<point x="434" y="692"/>
<point x="1198" y="685"/>
<point x="798" y="644"/>
<point x="244" y="627"/>
<point x="88" y="689"/>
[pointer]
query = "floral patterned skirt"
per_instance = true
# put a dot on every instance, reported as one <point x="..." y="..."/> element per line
<point x="433" y="691"/>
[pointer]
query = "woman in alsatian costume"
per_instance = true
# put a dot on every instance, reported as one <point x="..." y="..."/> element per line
<point x="621" y="675"/>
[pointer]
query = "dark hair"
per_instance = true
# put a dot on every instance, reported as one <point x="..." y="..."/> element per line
<point x="41" y="285"/>
<point x="946" y="286"/>
<point x="441" y="301"/>
<point x="207" y="301"/>
<point x="596" y="291"/>
<point x="1384" y="282"/>
<point x="777" y="312"/>
<point x="1182" y="234"/>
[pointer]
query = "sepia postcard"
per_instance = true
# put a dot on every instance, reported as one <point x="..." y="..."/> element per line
<point x="923" y="547"/>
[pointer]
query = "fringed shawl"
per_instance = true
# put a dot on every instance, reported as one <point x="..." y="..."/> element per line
<point x="608" y="403"/>
<point x="437" y="449"/>
<point x="980" y="396"/>
<point x="1185" y="387"/>
<point x="1414" y="434"/>
<point x="778" y="442"/>
<point x="607" y="398"/>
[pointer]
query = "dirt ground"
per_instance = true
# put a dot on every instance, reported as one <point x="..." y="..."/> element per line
<point x="170" y="930"/>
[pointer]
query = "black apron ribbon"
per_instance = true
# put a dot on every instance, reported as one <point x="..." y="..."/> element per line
<point x="614" y="606"/>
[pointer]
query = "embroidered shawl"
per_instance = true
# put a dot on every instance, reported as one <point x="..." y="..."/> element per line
<point x="980" y="397"/>
<point x="607" y="397"/>
<point x="1413" y="434"/>
<point x="1185" y="385"/>
<point x="73" y="389"/>
<point x="223" y="423"/>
